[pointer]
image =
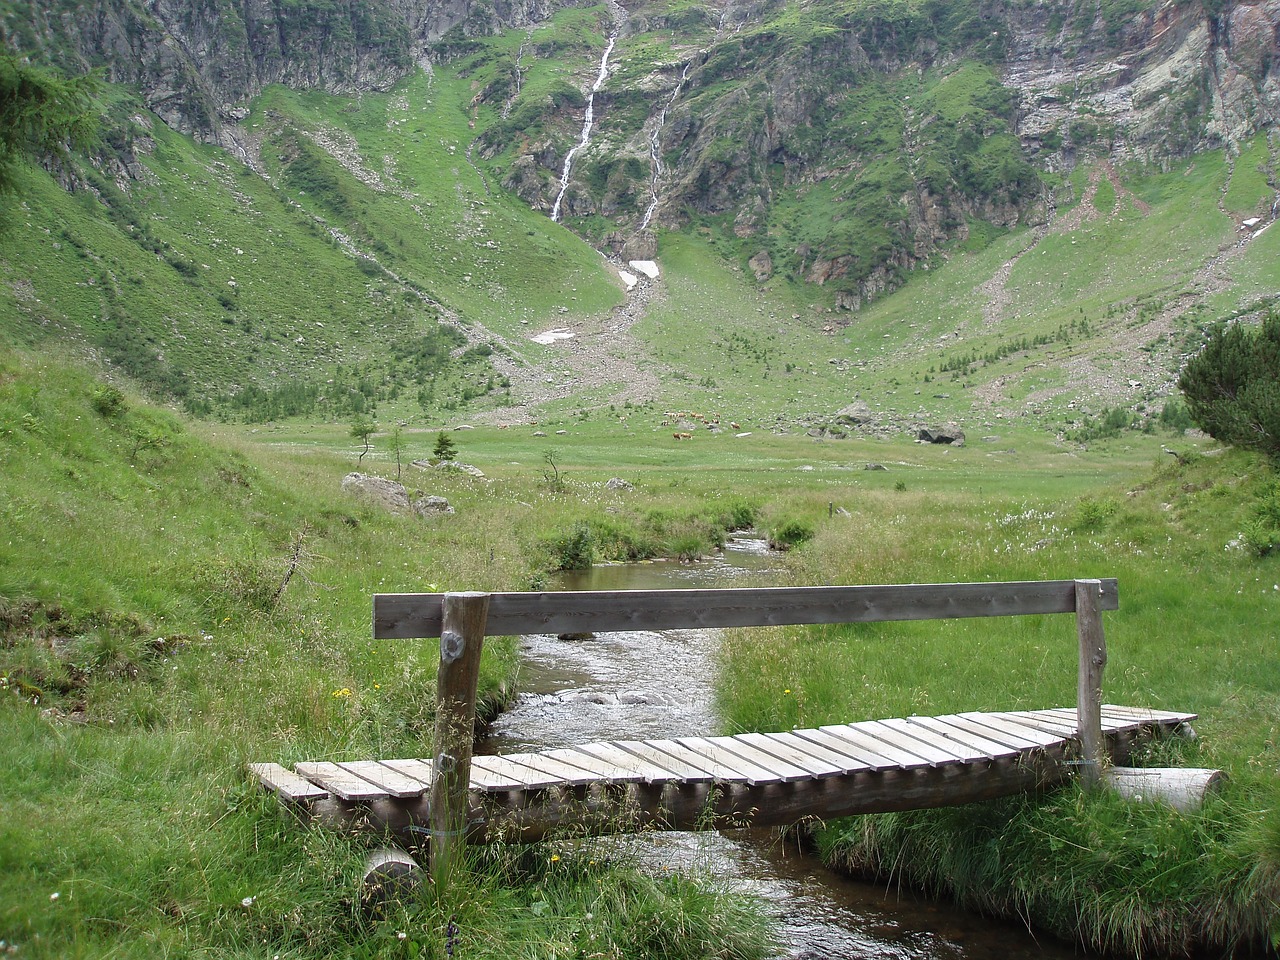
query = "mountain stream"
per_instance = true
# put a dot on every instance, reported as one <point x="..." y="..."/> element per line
<point x="649" y="685"/>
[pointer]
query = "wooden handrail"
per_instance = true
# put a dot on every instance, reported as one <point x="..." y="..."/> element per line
<point x="407" y="615"/>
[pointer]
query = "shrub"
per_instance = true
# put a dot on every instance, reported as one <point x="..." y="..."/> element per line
<point x="107" y="401"/>
<point x="790" y="533"/>
<point x="1261" y="534"/>
<point x="1232" y="386"/>
<point x="1091" y="514"/>
<point x="572" y="551"/>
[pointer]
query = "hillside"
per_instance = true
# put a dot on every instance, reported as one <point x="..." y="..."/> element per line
<point x="906" y="212"/>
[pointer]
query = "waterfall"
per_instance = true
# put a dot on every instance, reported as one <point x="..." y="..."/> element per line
<point x="655" y="157"/>
<point x="586" y="125"/>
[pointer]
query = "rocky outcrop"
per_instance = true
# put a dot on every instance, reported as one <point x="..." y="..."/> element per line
<point x="1167" y="81"/>
<point x="946" y="434"/>
<point x="384" y="493"/>
<point x="432" y="506"/>
<point x="198" y="64"/>
<point x="392" y="496"/>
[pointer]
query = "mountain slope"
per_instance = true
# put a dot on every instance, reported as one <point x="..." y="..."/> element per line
<point x="1014" y="173"/>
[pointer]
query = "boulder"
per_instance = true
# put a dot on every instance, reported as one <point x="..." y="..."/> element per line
<point x="761" y="265"/>
<point x="432" y="506"/>
<point x="949" y="434"/>
<point x="855" y="415"/>
<point x="617" y="483"/>
<point x="875" y="466"/>
<point x="384" y="493"/>
<point x="456" y="466"/>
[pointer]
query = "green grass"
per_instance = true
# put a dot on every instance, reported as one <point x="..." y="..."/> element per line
<point x="139" y="574"/>
<point x="1248" y="191"/>
<point x="1195" y="631"/>
<point x="150" y="648"/>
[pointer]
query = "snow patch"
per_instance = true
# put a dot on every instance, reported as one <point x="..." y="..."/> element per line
<point x="647" y="267"/>
<point x="548" y="337"/>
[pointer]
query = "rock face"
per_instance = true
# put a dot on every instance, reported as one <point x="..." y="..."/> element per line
<point x="197" y="65"/>
<point x="748" y="123"/>
<point x="1171" y="79"/>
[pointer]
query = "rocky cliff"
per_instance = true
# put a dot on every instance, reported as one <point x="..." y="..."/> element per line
<point x="839" y="144"/>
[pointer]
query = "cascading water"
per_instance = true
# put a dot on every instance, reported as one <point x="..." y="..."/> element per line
<point x="655" y="156"/>
<point x="586" y="125"/>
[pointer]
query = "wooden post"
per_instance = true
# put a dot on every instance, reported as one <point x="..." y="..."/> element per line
<point x="1093" y="658"/>
<point x="461" y="640"/>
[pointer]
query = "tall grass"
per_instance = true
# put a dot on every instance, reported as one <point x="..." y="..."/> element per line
<point x="172" y="611"/>
<point x="1197" y="630"/>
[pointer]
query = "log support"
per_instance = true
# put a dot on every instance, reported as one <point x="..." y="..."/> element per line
<point x="461" y="640"/>
<point x="1093" y="658"/>
<point x="1183" y="788"/>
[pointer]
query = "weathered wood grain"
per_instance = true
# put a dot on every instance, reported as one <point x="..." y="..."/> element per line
<point x="404" y="615"/>
<point x="285" y="783"/>
<point x="461" y="639"/>
<point x="339" y="782"/>
<point x="1093" y="659"/>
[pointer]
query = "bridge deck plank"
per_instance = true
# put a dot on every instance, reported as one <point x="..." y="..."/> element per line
<point x="752" y="760"/>
<point x="787" y="751"/>
<point x="339" y="782"/>
<point x="1014" y="731"/>
<point x="745" y="759"/>
<point x="622" y="766"/>
<point x="981" y="745"/>
<point x="861" y="750"/>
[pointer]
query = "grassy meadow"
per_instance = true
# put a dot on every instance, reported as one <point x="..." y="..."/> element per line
<point x="181" y="599"/>
<point x="1196" y="631"/>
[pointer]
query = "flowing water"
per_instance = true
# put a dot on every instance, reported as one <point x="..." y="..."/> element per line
<point x="655" y="149"/>
<point x="659" y="684"/>
<point x="587" y="123"/>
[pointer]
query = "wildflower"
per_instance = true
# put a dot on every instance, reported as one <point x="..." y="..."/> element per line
<point x="555" y="858"/>
<point x="54" y="896"/>
<point x="247" y="902"/>
<point x="788" y="690"/>
<point x="342" y="693"/>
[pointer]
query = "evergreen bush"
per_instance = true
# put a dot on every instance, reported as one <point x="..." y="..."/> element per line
<point x="1232" y="386"/>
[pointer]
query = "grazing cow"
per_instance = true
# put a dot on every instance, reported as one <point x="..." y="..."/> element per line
<point x="734" y="426"/>
<point x="683" y="436"/>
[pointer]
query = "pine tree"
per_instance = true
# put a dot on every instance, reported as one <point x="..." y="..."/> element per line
<point x="1232" y="386"/>
<point x="444" y="448"/>
<point x="41" y="114"/>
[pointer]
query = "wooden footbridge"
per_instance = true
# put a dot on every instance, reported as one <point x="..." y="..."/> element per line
<point x="716" y="782"/>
